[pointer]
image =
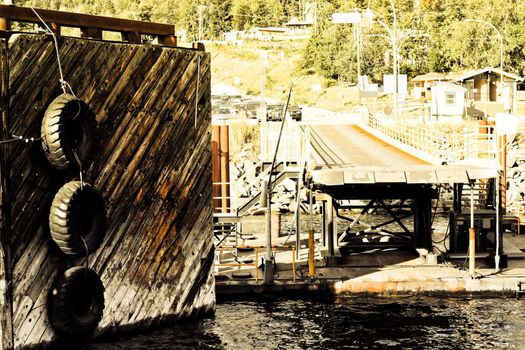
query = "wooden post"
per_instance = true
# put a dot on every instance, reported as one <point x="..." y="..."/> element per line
<point x="6" y="285"/>
<point x="5" y="24"/>
<point x="55" y="28"/>
<point x="197" y="45"/>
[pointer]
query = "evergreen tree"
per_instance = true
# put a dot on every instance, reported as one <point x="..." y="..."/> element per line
<point x="220" y="17"/>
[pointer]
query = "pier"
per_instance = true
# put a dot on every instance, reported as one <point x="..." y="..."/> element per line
<point x="366" y="164"/>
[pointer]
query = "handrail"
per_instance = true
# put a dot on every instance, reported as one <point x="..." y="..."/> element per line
<point x="164" y="32"/>
<point x="255" y="263"/>
<point x="469" y="143"/>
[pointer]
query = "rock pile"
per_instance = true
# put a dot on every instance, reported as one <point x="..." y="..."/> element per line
<point x="247" y="182"/>
<point x="516" y="171"/>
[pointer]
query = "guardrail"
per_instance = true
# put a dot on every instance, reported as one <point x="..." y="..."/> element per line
<point x="467" y="143"/>
<point x="290" y="148"/>
<point x="256" y="260"/>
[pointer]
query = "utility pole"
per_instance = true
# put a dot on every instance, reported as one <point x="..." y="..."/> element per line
<point x="394" y="44"/>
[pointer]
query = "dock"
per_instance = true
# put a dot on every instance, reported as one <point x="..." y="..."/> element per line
<point x="373" y="163"/>
<point x="376" y="272"/>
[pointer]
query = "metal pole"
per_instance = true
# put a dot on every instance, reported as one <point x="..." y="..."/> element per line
<point x="497" y="257"/>
<point x="311" y="241"/>
<point x="216" y="168"/>
<point x="297" y="219"/>
<point x="472" y="236"/>
<point x="268" y="269"/>
<point x="394" y="44"/>
<point x="224" y="152"/>
<point x="358" y="42"/>
<point x="268" y="259"/>
<point x="500" y="47"/>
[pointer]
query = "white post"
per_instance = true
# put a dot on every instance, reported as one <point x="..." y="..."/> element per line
<point x="394" y="44"/>
<point x="472" y="236"/>
<point x="497" y="257"/>
<point x="500" y="37"/>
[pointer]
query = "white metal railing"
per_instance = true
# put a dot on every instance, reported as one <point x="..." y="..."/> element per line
<point x="291" y="142"/>
<point x="450" y="145"/>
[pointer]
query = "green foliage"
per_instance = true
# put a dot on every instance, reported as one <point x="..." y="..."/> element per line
<point x="432" y="34"/>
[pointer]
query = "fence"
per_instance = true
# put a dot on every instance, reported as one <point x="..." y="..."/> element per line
<point x="449" y="146"/>
<point x="291" y="146"/>
<point x="255" y="263"/>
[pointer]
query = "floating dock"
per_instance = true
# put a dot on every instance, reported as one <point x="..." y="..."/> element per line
<point x="375" y="272"/>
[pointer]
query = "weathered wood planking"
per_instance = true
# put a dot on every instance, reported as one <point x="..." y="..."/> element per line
<point x="152" y="168"/>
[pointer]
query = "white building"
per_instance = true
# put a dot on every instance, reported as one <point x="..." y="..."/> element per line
<point x="448" y="100"/>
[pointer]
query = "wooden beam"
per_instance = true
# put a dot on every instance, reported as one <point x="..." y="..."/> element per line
<point x="131" y="37"/>
<point x="76" y="20"/>
<point x="197" y="45"/>
<point x="91" y="33"/>
<point x="6" y="274"/>
<point x="168" y="40"/>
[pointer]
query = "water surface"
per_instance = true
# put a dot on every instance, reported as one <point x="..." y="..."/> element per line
<point x="413" y="322"/>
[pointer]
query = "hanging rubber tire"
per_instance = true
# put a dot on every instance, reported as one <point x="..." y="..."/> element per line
<point x="76" y="303"/>
<point x="77" y="220"/>
<point x="69" y="132"/>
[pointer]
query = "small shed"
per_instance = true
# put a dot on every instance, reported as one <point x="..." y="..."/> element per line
<point x="447" y="100"/>
<point x="299" y="27"/>
<point x="421" y="84"/>
<point x="484" y="88"/>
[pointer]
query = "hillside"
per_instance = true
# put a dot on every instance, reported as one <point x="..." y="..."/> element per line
<point x="241" y="67"/>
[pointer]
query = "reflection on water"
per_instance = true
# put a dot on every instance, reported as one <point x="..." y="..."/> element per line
<point x="347" y="323"/>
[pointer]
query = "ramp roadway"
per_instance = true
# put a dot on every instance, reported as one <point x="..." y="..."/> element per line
<point x="351" y="146"/>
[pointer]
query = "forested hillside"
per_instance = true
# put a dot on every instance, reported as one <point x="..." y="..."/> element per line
<point x="432" y="34"/>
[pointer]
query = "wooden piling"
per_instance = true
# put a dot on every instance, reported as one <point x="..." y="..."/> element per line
<point x="6" y="278"/>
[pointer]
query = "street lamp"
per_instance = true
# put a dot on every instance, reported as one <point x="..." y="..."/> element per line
<point x="497" y="257"/>
<point x="393" y="33"/>
<point x="500" y="47"/>
<point x="394" y="36"/>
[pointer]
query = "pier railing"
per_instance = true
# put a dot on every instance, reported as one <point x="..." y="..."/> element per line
<point x="255" y="263"/>
<point x="450" y="145"/>
<point x="291" y="146"/>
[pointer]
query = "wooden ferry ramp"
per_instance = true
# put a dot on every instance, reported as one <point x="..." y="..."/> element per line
<point x="150" y="165"/>
<point x="349" y="145"/>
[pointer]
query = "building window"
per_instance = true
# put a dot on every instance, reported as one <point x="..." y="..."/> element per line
<point x="450" y="98"/>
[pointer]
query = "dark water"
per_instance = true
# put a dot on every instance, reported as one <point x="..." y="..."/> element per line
<point x="346" y="323"/>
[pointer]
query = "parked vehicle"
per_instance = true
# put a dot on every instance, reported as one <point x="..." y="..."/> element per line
<point x="274" y="111"/>
<point x="295" y="112"/>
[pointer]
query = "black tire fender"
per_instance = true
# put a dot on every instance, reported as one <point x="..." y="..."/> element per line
<point x="68" y="132"/>
<point x="76" y="303"/>
<point x="77" y="219"/>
